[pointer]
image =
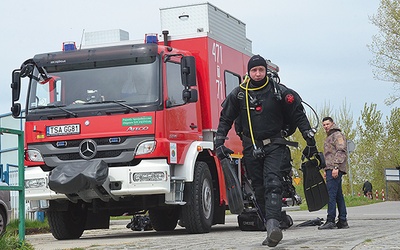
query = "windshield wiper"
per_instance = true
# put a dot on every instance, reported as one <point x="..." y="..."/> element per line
<point x="119" y="102"/>
<point x="63" y="109"/>
<point x="52" y="105"/>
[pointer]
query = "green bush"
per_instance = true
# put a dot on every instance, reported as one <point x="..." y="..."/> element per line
<point x="10" y="241"/>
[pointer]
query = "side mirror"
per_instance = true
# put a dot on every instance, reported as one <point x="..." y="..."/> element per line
<point x="189" y="95"/>
<point x="16" y="89"/>
<point x="188" y="71"/>
<point x="16" y="85"/>
<point x="16" y="110"/>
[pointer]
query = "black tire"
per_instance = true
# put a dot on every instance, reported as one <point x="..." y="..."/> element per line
<point x="3" y="222"/>
<point x="68" y="224"/>
<point x="164" y="219"/>
<point x="198" y="212"/>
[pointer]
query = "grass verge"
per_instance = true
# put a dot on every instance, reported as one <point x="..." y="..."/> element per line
<point x="351" y="201"/>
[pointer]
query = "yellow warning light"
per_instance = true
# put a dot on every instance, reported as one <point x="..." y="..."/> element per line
<point x="40" y="136"/>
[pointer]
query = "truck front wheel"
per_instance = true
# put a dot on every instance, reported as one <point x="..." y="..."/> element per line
<point x="197" y="213"/>
<point x="164" y="219"/>
<point x="68" y="224"/>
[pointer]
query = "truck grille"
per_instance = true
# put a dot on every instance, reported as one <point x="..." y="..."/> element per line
<point x="105" y="154"/>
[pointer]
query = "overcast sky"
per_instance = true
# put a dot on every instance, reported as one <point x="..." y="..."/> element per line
<point x="319" y="45"/>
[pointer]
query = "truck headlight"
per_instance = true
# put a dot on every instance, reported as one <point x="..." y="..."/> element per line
<point x="35" y="183"/>
<point x="146" y="147"/>
<point x="34" y="155"/>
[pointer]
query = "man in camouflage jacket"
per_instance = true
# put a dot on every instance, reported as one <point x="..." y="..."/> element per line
<point x="335" y="152"/>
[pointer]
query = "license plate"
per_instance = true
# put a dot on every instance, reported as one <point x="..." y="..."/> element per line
<point x="70" y="129"/>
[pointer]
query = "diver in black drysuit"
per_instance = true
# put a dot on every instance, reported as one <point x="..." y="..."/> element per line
<point x="268" y="156"/>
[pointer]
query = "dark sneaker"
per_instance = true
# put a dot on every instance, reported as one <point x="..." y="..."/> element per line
<point x="342" y="224"/>
<point x="328" y="225"/>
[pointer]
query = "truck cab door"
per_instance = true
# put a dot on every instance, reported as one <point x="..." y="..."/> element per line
<point x="182" y="113"/>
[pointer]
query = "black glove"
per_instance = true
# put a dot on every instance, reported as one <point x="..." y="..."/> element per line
<point x="311" y="148"/>
<point x="223" y="152"/>
<point x="321" y="160"/>
<point x="310" y="151"/>
<point x="310" y="141"/>
<point x="258" y="153"/>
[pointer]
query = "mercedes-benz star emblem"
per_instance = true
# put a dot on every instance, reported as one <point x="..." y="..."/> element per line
<point x="87" y="149"/>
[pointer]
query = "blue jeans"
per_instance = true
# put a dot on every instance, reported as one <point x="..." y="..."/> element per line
<point x="335" y="193"/>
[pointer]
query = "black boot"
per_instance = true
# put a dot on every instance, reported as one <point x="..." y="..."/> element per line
<point x="274" y="233"/>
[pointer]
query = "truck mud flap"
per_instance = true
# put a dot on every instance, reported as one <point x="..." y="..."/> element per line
<point x="72" y="178"/>
<point x="233" y="190"/>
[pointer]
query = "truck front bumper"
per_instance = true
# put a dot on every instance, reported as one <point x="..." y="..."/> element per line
<point x="150" y="177"/>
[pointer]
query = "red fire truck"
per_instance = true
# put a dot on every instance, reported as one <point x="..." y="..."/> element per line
<point x="120" y="129"/>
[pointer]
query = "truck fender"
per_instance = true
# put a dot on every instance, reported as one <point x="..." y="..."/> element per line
<point x="186" y="170"/>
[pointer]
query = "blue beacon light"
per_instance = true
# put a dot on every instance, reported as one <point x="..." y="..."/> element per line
<point x="151" y="38"/>
<point x="68" y="46"/>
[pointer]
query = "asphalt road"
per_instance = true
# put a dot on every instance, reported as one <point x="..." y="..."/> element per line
<point x="375" y="226"/>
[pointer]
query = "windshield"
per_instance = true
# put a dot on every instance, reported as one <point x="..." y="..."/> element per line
<point x="131" y="84"/>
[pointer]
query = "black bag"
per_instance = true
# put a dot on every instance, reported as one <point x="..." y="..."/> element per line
<point x="69" y="178"/>
<point x="249" y="220"/>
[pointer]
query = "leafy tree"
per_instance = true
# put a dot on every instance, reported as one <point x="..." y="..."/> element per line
<point x="391" y="154"/>
<point x="392" y="140"/>
<point x="386" y="44"/>
<point x="370" y="144"/>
